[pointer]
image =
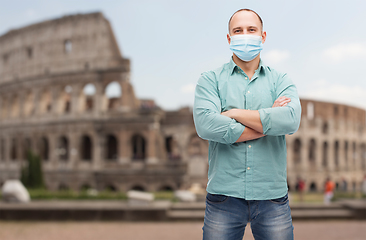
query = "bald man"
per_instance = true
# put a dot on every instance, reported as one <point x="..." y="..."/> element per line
<point x="245" y="109"/>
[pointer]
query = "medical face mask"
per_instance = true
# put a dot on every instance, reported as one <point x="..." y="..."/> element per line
<point x="245" y="46"/>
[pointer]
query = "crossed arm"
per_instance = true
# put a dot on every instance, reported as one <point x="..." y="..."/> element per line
<point x="251" y="119"/>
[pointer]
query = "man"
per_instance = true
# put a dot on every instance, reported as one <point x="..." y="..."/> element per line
<point x="245" y="109"/>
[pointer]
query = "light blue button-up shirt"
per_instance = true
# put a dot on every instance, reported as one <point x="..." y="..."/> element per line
<point x="255" y="169"/>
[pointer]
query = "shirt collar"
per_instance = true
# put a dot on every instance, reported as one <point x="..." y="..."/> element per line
<point x="233" y="66"/>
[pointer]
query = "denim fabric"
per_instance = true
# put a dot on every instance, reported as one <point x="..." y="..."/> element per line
<point x="226" y="218"/>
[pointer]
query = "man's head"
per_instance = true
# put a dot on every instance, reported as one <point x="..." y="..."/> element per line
<point x="246" y="21"/>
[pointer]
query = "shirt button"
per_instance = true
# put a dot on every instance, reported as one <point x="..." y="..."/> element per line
<point x="250" y="146"/>
<point x="248" y="168"/>
<point x="246" y="78"/>
<point x="248" y="91"/>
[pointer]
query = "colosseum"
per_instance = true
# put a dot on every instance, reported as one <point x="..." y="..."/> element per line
<point x="55" y="82"/>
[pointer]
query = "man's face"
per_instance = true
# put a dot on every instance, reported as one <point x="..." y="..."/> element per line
<point x="246" y="22"/>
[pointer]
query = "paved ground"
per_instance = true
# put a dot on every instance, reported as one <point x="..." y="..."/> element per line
<point x="304" y="230"/>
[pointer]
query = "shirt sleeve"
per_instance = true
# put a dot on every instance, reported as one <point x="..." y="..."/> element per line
<point x="209" y="123"/>
<point x="282" y="120"/>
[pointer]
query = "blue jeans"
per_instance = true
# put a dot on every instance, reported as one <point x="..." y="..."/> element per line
<point x="226" y="218"/>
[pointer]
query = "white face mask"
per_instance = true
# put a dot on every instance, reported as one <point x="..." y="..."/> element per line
<point x="246" y="46"/>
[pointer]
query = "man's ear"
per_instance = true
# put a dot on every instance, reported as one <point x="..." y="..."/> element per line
<point x="228" y="38"/>
<point x="264" y="37"/>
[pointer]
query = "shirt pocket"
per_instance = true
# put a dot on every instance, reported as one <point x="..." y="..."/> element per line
<point x="267" y="96"/>
<point x="231" y="95"/>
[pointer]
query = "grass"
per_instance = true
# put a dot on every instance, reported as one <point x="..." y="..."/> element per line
<point x="319" y="197"/>
<point x="43" y="194"/>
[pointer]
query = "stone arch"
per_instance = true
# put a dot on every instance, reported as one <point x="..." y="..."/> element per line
<point x="3" y="105"/>
<point x="87" y="97"/>
<point x="63" y="148"/>
<point x="354" y="154"/>
<point x="111" y="147"/>
<point x="336" y="153"/>
<point x="45" y="102"/>
<point x="138" y="147"/>
<point x="113" y="92"/>
<point x="2" y="149"/>
<point x="26" y="147"/>
<point x="28" y="106"/>
<point x="111" y="187"/>
<point x="63" y="187"/>
<point x="325" y="154"/>
<point x="65" y="99"/>
<point x="86" y="148"/>
<point x="13" y="149"/>
<point x="85" y="187"/>
<point x="166" y="188"/>
<point x="312" y="153"/>
<point x="313" y="187"/>
<point x="297" y="151"/>
<point x="14" y="107"/>
<point x="346" y="153"/>
<point x="363" y="156"/>
<point x="44" y="148"/>
<point x="172" y="148"/>
<point x="138" y="187"/>
<point x="325" y="127"/>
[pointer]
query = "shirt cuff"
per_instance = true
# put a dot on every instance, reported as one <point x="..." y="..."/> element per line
<point x="265" y="117"/>
<point x="233" y="132"/>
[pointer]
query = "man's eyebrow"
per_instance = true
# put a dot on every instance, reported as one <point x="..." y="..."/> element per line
<point x="236" y="28"/>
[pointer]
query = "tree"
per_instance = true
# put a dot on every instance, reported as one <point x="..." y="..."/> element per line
<point x="31" y="174"/>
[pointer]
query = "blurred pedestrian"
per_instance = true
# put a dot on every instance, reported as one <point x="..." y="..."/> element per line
<point x="301" y="188"/>
<point x="328" y="191"/>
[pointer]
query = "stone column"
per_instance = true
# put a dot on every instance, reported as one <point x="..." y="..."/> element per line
<point x="36" y="101"/>
<point x="355" y="157"/>
<point x="55" y="101"/>
<point x="331" y="159"/>
<point x="341" y="153"/>
<point x="73" y="149"/>
<point x="304" y="155"/>
<point x="75" y="97"/>
<point x="319" y="155"/>
<point x="123" y="149"/>
<point x="98" y="150"/>
<point x="1" y="109"/>
<point x="7" y="149"/>
<point x="98" y="99"/>
<point x="53" y="153"/>
<point x="151" y="146"/>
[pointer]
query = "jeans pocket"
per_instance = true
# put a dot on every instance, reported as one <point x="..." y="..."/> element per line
<point x="281" y="200"/>
<point x="216" y="198"/>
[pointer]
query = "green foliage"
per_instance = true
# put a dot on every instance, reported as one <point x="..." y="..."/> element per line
<point x="31" y="173"/>
<point x="42" y="194"/>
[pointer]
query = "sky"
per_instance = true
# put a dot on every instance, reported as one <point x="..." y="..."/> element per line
<point x="320" y="44"/>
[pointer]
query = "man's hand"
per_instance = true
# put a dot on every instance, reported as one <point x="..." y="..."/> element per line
<point x="281" y="101"/>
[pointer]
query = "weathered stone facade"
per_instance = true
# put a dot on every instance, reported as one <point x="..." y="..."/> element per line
<point x="54" y="76"/>
<point x="84" y="139"/>
<point x="331" y="142"/>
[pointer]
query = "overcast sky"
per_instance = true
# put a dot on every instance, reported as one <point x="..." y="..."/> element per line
<point x="321" y="44"/>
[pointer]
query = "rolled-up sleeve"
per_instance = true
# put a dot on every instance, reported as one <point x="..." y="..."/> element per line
<point x="209" y="123"/>
<point x="282" y="120"/>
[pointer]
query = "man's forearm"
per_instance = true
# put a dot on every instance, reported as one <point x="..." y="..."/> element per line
<point x="249" y="118"/>
<point x="249" y="134"/>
